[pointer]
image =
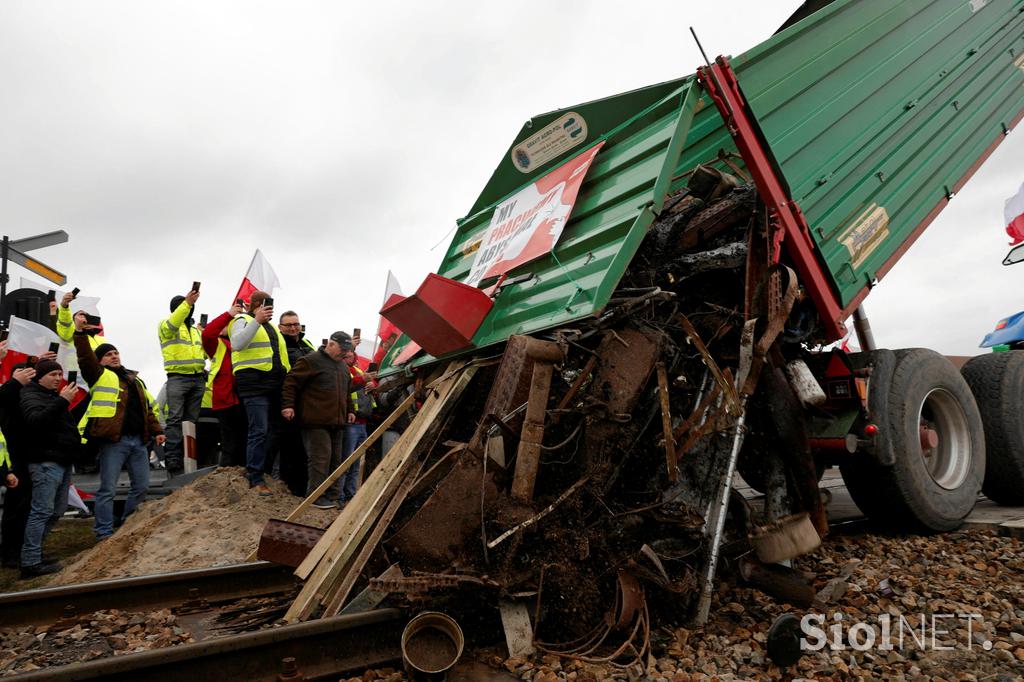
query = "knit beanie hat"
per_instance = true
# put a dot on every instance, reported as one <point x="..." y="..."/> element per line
<point x="44" y="367"/>
<point x="176" y="301"/>
<point x="103" y="349"/>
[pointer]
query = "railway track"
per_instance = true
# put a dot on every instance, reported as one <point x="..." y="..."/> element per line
<point x="321" y="649"/>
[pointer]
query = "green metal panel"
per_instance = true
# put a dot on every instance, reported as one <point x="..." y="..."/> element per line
<point x="614" y="209"/>
<point x="889" y="104"/>
<point x="865" y="103"/>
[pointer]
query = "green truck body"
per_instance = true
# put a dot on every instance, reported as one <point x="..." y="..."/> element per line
<point x="876" y="113"/>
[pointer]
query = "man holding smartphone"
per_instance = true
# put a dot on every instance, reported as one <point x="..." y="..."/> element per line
<point x="185" y="363"/>
<point x="259" y="362"/>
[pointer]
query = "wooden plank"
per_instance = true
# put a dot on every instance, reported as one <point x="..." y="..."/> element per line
<point x="344" y="466"/>
<point x="666" y="422"/>
<point x="336" y="597"/>
<point x="325" y="562"/>
<point x="528" y="456"/>
<point x="330" y="568"/>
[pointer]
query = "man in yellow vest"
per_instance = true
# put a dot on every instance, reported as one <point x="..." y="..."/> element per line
<point x="185" y="363"/>
<point x="68" y="324"/>
<point x="259" y="362"/>
<point x="120" y="418"/>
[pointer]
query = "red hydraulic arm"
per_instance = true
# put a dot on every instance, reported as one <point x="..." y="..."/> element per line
<point x="789" y="228"/>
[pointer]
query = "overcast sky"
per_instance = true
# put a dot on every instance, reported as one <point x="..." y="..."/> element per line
<point x="170" y="140"/>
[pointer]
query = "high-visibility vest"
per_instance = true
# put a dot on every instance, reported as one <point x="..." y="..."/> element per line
<point x="181" y="345"/>
<point x="104" y="396"/>
<point x="215" y="366"/>
<point x="355" y="394"/>
<point x="309" y="344"/>
<point x="5" y="457"/>
<point x="259" y="354"/>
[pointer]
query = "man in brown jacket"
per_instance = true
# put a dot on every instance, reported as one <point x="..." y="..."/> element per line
<point x="121" y="420"/>
<point x="316" y="392"/>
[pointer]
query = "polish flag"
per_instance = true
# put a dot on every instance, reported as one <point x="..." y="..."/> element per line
<point x="28" y="339"/>
<point x="1013" y="215"/>
<point x="259" y="277"/>
<point x="386" y="328"/>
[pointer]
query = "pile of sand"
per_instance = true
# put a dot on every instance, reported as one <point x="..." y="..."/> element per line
<point x="213" y="521"/>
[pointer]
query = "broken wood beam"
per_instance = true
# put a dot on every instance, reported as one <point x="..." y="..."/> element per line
<point x="544" y="354"/>
<point x="327" y="560"/>
<point x="666" y="422"/>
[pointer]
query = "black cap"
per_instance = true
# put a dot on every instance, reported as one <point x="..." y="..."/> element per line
<point x="44" y="367"/>
<point x="176" y="301"/>
<point x="343" y="340"/>
<point x="103" y="349"/>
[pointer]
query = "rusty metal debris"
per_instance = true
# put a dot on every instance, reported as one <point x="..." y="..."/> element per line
<point x="591" y="466"/>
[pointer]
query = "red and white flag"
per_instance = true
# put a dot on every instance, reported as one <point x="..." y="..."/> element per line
<point x="259" y="277"/>
<point x="1013" y="214"/>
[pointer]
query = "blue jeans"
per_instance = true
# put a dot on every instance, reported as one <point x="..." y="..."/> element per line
<point x="355" y="434"/>
<point x="49" y="502"/>
<point x="129" y="450"/>
<point x="264" y="426"/>
<point x="184" y="400"/>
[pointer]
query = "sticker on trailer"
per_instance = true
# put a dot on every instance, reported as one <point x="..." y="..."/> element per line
<point x="868" y="231"/>
<point x="551" y="141"/>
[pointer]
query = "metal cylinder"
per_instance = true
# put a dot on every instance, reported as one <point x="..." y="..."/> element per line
<point x="865" y="338"/>
<point x="432" y="643"/>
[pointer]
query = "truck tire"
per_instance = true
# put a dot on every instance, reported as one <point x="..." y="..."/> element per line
<point x="934" y="487"/>
<point x="997" y="382"/>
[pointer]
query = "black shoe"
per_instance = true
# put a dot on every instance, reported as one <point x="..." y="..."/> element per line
<point x="49" y="560"/>
<point x="38" y="570"/>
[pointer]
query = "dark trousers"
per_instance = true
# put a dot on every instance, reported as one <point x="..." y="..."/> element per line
<point x="264" y="418"/>
<point x="17" y="504"/>
<point x="184" y="400"/>
<point x="233" y="430"/>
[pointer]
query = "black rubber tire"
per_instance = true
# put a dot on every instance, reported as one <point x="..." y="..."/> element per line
<point x="997" y="382"/>
<point x="905" y="495"/>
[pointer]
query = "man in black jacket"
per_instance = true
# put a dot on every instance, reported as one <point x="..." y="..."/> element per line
<point x="18" y="500"/>
<point x="55" y="443"/>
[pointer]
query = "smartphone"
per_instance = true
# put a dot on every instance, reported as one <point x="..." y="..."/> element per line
<point x="195" y="286"/>
<point x="239" y="301"/>
<point x="268" y="302"/>
<point x="51" y="295"/>
<point x="72" y="377"/>
<point x="324" y="344"/>
<point x="3" y="334"/>
<point x="303" y="329"/>
<point x="357" y="332"/>
<point x="92" y="319"/>
<point x="54" y="347"/>
<point x="203" y="319"/>
<point x="74" y="292"/>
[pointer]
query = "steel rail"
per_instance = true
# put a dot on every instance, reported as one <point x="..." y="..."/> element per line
<point x="323" y="649"/>
<point x="48" y="604"/>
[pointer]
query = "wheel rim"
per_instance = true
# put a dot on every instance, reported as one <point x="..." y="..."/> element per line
<point x="950" y="460"/>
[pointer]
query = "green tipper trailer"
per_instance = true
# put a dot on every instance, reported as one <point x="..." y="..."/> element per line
<point x="853" y="127"/>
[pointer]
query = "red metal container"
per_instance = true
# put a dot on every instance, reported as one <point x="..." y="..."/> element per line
<point x="442" y="316"/>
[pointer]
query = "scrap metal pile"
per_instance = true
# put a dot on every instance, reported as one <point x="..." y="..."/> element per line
<point x="582" y="476"/>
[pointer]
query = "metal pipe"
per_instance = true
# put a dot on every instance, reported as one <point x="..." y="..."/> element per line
<point x="704" y="605"/>
<point x="863" y="329"/>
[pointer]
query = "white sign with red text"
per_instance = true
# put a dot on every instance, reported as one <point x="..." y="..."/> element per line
<point x="528" y="224"/>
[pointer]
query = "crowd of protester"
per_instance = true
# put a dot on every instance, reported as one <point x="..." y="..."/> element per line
<point x="286" y="408"/>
